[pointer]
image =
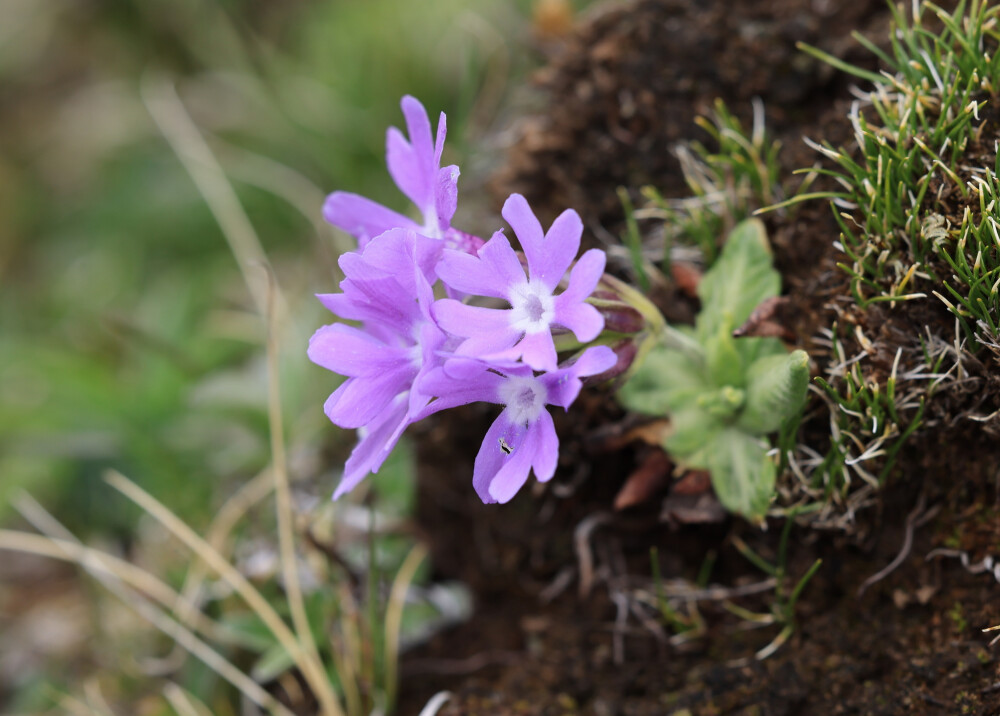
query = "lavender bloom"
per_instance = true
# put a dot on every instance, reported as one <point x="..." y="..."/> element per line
<point x="415" y="166"/>
<point x="523" y="330"/>
<point x="387" y="289"/>
<point x="523" y="437"/>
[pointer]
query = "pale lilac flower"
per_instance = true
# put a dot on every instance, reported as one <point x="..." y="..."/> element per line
<point x="387" y="289"/>
<point x="415" y="166"/>
<point x="523" y="438"/>
<point x="525" y="329"/>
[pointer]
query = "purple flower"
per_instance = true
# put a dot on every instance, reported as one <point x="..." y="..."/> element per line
<point x="415" y="166"/>
<point x="387" y="289"/>
<point x="523" y="437"/>
<point x="525" y="329"/>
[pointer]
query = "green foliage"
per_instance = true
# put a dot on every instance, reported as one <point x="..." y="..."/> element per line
<point x="129" y="339"/>
<point x="971" y="250"/>
<point x="727" y="182"/>
<point x="724" y="395"/>
<point x="871" y="422"/>
<point x="921" y="123"/>
<point x="786" y="594"/>
<point x="918" y="214"/>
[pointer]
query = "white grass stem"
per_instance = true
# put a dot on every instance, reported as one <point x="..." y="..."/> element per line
<point x="100" y="564"/>
<point x="311" y="670"/>
<point x="437" y="701"/>
<point x="180" y="701"/>
<point x="283" y="501"/>
<point x="168" y="112"/>
<point x="155" y="616"/>
<point x="231" y="512"/>
<point x="394" y="619"/>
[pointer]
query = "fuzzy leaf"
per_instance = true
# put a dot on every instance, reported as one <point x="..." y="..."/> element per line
<point x="724" y="362"/>
<point x="724" y="403"/>
<point x="776" y="388"/>
<point x="666" y="381"/>
<point x="742" y="474"/>
<point x="740" y="280"/>
<point x="691" y="430"/>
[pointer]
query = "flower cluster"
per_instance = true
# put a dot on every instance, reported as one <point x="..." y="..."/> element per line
<point x="413" y="355"/>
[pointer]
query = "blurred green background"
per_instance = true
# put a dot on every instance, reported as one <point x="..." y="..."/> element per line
<point x="128" y="336"/>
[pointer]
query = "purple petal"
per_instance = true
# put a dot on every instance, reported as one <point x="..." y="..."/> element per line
<point x="394" y="254"/>
<point x="529" y="233"/>
<point x="406" y="169"/>
<point x="373" y="447"/>
<point x="584" y="320"/>
<point x="488" y="346"/>
<point x="564" y="384"/>
<point x="538" y="350"/>
<point x="416" y="404"/>
<point x="594" y="361"/>
<point x="442" y="131"/>
<point x="481" y="387"/>
<point x="491" y="273"/>
<point x="547" y="451"/>
<point x="464" y="320"/>
<point x="362" y="218"/>
<point x="352" y="352"/>
<point x="431" y="339"/>
<point x="418" y="126"/>
<point x="584" y="276"/>
<point x="383" y="301"/>
<point x="411" y="164"/>
<point x="492" y="455"/>
<point x="514" y="472"/>
<point x="424" y="293"/>
<point x="341" y="305"/>
<point x="562" y="242"/>
<point x="359" y="400"/>
<point x="446" y="194"/>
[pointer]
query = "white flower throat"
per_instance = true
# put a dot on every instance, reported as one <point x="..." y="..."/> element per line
<point x="532" y="307"/>
<point x="525" y="399"/>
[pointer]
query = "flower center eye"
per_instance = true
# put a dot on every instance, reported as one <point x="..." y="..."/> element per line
<point x="532" y="307"/>
<point x="525" y="399"/>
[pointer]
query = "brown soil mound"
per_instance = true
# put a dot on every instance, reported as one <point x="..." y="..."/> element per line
<point x="626" y="85"/>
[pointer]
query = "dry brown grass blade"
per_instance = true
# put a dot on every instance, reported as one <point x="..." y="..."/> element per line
<point x="394" y="619"/>
<point x="311" y="669"/>
<point x="93" y="560"/>
<point x="349" y="650"/>
<point x="231" y="512"/>
<point x="42" y="520"/>
<point x="283" y="504"/>
<point x="184" y="137"/>
<point x="184" y="703"/>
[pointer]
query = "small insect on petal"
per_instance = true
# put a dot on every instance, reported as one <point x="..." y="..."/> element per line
<point x="508" y="449"/>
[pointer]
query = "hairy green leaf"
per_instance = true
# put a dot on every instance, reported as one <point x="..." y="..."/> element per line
<point x="691" y="430"/>
<point x="739" y="281"/>
<point x="724" y="362"/>
<point x="776" y="388"/>
<point x="742" y="474"/>
<point x="723" y="394"/>
<point x="666" y="381"/>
